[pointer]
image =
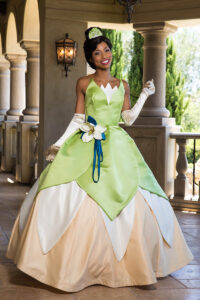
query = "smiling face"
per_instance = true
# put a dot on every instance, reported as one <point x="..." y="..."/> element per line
<point x="102" y="56"/>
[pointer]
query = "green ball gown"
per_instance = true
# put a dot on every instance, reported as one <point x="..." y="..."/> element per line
<point x="73" y="232"/>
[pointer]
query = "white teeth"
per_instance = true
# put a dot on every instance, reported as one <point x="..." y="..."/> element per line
<point x="105" y="61"/>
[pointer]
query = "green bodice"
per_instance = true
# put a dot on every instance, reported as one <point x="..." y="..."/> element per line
<point x="123" y="169"/>
<point x="97" y="106"/>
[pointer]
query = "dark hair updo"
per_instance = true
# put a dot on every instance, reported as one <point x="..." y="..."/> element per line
<point x="91" y="44"/>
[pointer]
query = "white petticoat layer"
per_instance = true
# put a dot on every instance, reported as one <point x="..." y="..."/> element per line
<point x="58" y="206"/>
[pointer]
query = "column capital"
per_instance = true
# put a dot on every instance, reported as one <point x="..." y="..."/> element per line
<point x="155" y="27"/>
<point x="15" y="58"/>
<point x="30" y="44"/>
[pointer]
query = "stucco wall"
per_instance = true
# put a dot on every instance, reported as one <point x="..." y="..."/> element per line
<point x="57" y="100"/>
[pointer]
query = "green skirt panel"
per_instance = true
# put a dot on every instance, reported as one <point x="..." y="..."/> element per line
<point x="123" y="170"/>
<point x="72" y="160"/>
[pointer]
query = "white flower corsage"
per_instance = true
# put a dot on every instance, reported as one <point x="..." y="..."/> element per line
<point x="91" y="130"/>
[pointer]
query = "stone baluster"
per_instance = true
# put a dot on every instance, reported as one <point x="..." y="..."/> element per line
<point x="181" y="181"/>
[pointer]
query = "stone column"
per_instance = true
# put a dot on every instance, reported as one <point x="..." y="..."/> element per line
<point x="32" y="79"/>
<point x="152" y="129"/>
<point x="4" y="88"/>
<point x="155" y="35"/>
<point x="4" y="96"/>
<point x="26" y="140"/>
<point x="17" y="86"/>
<point x="17" y="104"/>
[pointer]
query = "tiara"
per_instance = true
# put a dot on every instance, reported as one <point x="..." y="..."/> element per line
<point x="94" y="32"/>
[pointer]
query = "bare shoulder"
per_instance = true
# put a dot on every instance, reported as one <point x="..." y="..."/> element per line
<point x="82" y="83"/>
<point x="126" y="86"/>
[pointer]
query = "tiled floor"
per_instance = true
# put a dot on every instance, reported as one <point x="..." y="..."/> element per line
<point x="15" y="285"/>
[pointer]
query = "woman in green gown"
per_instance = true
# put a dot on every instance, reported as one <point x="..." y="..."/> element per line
<point x="97" y="215"/>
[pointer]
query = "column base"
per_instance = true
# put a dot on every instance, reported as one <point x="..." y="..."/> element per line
<point x="158" y="150"/>
<point x="3" y="112"/>
<point x="12" y="118"/>
<point x="25" y="151"/>
<point x="14" y="112"/>
<point x="31" y="111"/>
<point x="181" y="186"/>
<point x="29" y="118"/>
<point x="9" y="141"/>
<point x="155" y="112"/>
<point x="2" y="118"/>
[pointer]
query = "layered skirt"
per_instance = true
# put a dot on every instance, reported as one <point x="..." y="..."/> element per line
<point x="64" y="239"/>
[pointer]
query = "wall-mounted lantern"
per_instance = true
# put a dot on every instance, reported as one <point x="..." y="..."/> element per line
<point x="129" y="4"/>
<point x="66" y="52"/>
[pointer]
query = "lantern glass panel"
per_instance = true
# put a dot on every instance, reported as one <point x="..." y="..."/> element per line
<point x="69" y="55"/>
<point x="60" y="54"/>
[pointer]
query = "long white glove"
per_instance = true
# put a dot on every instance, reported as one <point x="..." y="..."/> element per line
<point x="74" y="125"/>
<point x="129" y="116"/>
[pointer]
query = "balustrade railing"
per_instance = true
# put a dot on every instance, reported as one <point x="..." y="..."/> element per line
<point x="182" y="198"/>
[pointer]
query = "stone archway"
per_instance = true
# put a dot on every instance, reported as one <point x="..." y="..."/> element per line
<point x="12" y="45"/>
<point x="31" y="24"/>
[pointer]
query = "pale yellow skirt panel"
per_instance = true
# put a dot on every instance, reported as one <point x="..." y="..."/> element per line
<point x="83" y="256"/>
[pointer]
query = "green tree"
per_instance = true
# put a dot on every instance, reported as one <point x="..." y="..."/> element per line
<point x="135" y="73"/>
<point x="117" y="63"/>
<point x="175" y="91"/>
<point x="128" y="50"/>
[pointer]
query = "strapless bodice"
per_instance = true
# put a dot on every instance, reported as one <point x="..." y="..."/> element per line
<point x="97" y="105"/>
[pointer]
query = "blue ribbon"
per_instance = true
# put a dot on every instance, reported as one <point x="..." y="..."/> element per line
<point x="98" y="152"/>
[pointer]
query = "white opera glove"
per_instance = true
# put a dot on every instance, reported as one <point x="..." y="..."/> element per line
<point x="74" y="125"/>
<point x="129" y="116"/>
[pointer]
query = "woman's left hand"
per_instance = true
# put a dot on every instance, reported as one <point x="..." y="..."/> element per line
<point x="149" y="87"/>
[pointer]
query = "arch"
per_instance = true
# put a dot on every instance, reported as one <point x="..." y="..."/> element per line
<point x="2" y="58"/>
<point x="31" y="23"/>
<point x="12" y="46"/>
